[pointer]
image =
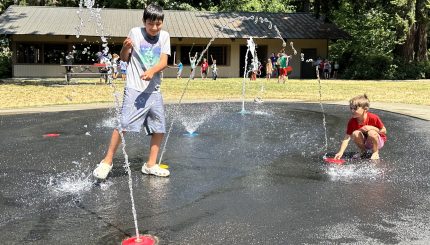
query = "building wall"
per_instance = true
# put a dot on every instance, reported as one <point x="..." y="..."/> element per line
<point x="232" y="69"/>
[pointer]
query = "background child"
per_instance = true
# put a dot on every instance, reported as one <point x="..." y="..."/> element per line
<point x="214" y="69"/>
<point x="204" y="69"/>
<point x="142" y="103"/>
<point x="269" y="69"/>
<point x="193" y="61"/>
<point x="114" y="62"/>
<point x="366" y="129"/>
<point x="123" y="66"/>
<point x="180" y="68"/>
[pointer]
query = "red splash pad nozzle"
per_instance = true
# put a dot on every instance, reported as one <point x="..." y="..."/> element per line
<point x="50" y="135"/>
<point x="334" y="160"/>
<point x="142" y="240"/>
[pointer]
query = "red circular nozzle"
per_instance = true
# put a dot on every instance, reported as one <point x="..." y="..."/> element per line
<point x="334" y="160"/>
<point x="142" y="240"/>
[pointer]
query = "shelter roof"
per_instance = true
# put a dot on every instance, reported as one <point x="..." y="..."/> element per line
<point x="45" y="20"/>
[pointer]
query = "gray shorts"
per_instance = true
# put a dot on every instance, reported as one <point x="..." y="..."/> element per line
<point x="145" y="109"/>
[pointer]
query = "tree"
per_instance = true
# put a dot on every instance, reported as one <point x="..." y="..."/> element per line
<point x="256" y="6"/>
<point x="4" y="5"/>
<point x="413" y="22"/>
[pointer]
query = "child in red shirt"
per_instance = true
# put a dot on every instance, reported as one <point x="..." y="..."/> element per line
<point x="204" y="69"/>
<point x="365" y="128"/>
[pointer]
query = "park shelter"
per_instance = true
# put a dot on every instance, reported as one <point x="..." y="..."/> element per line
<point x="41" y="37"/>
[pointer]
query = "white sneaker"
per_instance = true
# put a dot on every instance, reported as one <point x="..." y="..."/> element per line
<point x="102" y="170"/>
<point x="155" y="170"/>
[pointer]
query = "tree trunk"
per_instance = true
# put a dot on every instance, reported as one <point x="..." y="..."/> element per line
<point x="406" y="50"/>
<point x="421" y="15"/>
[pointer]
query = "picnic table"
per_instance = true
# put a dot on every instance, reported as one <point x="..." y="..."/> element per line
<point x="98" y="69"/>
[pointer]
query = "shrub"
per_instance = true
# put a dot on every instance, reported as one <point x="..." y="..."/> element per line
<point x="5" y="63"/>
<point x="370" y="67"/>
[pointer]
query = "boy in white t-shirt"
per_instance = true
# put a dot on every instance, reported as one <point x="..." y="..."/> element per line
<point x="146" y="50"/>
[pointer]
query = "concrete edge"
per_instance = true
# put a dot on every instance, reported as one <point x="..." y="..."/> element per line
<point x="416" y="111"/>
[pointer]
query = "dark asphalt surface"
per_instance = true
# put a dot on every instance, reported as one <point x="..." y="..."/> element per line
<point x="257" y="178"/>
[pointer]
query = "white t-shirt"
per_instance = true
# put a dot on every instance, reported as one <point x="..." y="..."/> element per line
<point x="149" y="50"/>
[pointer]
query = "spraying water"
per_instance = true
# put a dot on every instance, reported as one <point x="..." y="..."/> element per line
<point x="302" y="57"/>
<point x="322" y="110"/>
<point x="250" y="49"/>
<point x="236" y="18"/>
<point x="95" y="14"/>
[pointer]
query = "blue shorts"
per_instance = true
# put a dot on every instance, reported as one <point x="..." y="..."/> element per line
<point x="145" y="109"/>
<point x="124" y="71"/>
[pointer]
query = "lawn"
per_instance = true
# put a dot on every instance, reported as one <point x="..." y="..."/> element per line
<point x="35" y="94"/>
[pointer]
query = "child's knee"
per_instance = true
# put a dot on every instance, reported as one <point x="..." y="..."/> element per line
<point x="357" y="134"/>
<point x="372" y="134"/>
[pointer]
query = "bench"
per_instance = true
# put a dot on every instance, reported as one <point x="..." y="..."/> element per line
<point x="85" y="71"/>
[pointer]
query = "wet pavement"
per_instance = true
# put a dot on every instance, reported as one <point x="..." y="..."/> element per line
<point x="257" y="178"/>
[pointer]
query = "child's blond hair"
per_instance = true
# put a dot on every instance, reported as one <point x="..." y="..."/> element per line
<point x="360" y="101"/>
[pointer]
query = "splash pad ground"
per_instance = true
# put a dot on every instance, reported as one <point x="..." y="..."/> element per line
<point x="254" y="178"/>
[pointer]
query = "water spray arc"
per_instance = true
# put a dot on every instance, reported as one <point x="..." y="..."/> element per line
<point x="235" y="18"/>
<point x="95" y="14"/>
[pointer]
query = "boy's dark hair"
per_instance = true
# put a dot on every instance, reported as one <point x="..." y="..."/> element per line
<point x="360" y="101"/>
<point x="153" y="12"/>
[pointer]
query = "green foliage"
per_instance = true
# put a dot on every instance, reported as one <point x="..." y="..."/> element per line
<point x="5" y="59"/>
<point x="4" y="4"/>
<point x="412" y="70"/>
<point x="381" y="67"/>
<point x="256" y="5"/>
<point x="373" y="32"/>
<point x="369" y="67"/>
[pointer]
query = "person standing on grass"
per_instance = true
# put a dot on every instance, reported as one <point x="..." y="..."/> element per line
<point x="114" y="62"/>
<point x="335" y="69"/>
<point x="214" y="69"/>
<point x="193" y="61"/>
<point x="204" y="69"/>
<point x="123" y="67"/>
<point x="143" y="102"/>
<point x="283" y="61"/>
<point x="180" y="67"/>
<point x="269" y="69"/>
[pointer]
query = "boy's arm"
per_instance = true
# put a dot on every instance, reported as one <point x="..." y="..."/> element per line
<point x="126" y="49"/>
<point x="343" y="146"/>
<point x="147" y="75"/>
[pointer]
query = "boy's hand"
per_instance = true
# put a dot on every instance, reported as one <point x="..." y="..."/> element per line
<point x="338" y="155"/>
<point x="147" y="75"/>
<point x="128" y="43"/>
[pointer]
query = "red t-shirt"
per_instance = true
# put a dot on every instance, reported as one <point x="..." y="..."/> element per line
<point x="205" y="66"/>
<point x="372" y="120"/>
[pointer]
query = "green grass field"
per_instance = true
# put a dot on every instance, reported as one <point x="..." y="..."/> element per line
<point x="21" y="95"/>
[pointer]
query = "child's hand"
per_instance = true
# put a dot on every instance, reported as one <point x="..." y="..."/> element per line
<point x="338" y="155"/>
<point x="128" y="43"/>
<point x="147" y="75"/>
